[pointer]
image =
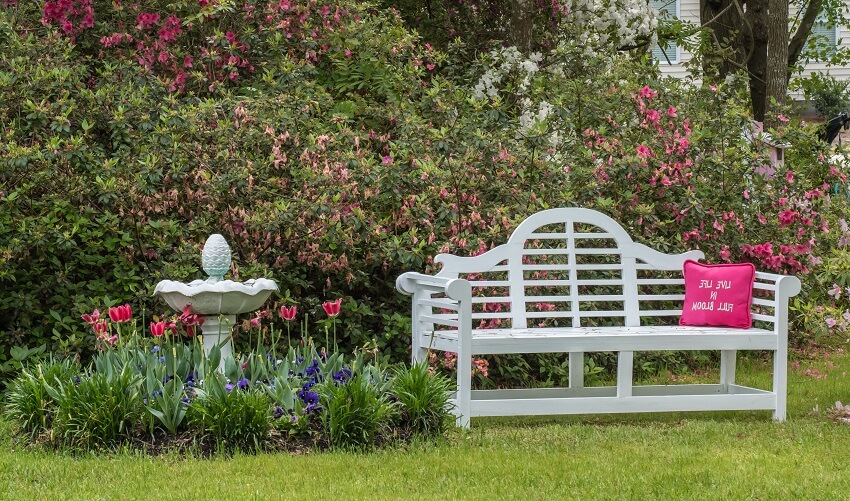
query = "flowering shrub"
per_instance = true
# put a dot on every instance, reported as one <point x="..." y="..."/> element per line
<point x="335" y="150"/>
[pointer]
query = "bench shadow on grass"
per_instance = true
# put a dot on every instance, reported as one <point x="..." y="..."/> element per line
<point x="642" y="420"/>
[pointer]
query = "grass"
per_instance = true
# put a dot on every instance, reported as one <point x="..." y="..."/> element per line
<point x="729" y="455"/>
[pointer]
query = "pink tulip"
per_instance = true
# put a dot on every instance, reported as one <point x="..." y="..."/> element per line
<point x="101" y="327"/>
<point x="332" y="307"/>
<point x="255" y="321"/>
<point x="91" y="319"/>
<point x="120" y="314"/>
<point x="158" y="329"/>
<point x="288" y="312"/>
<point x="189" y="318"/>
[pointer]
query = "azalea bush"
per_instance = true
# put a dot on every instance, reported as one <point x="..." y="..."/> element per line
<point x="335" y="149"/>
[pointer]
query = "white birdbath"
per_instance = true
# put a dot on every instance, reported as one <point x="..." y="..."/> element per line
<point x="217" y="300"/>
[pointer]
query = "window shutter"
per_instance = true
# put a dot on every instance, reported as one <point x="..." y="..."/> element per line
<point x="669" y="52"/>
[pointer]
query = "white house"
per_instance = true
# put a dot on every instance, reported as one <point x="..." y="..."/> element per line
<point x="688" y="10"/>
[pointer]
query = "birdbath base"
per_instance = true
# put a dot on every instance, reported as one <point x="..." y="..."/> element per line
<point x="216" y="331"/>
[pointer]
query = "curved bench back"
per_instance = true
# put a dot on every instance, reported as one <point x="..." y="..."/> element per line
<point x="570" y="267"/>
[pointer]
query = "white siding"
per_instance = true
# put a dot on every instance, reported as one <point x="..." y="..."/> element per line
<point x="689" y="11"/>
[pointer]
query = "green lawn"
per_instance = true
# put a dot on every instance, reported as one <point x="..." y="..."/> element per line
<point x="662" y="456"/>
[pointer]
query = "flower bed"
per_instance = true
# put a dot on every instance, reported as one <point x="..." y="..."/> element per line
<point x="165" y="392"/>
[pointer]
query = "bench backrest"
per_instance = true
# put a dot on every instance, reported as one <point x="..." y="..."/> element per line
<point x="570" y="267"/>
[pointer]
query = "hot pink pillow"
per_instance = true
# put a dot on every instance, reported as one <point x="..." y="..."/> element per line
<point x="718" y="294"/>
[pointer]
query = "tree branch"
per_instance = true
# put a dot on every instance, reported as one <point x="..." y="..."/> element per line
<point x="798" y="41"/>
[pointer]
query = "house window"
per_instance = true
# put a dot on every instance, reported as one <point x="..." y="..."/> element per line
<point x="668" y="53"/>
<point x="824" y="34"/>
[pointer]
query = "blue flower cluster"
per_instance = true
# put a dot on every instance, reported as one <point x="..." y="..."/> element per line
<point x="154" y="394"/>
<point x="342" y="376"/>
<point x="313" y="374"/>
<point x="242" y="384"/>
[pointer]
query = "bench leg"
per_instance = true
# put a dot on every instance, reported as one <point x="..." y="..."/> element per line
<point x="728" y="360"/>
<point x="780" y="382"/>
<point x="419" y="355"/>
<point x="577" y="369"/>
<point x="625" y="369"/>
<point x="464" y="390"/>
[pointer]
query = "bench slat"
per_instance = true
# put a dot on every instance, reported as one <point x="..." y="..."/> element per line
<point x="593" y="339"/>
<point x="448" y="320"/>
<point x="566" y="236"/>
<point x="447" y="304"/>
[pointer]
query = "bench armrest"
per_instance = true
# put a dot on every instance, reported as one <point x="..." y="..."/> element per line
<point x="458" y="289"/>
<point x="787" y="286"/>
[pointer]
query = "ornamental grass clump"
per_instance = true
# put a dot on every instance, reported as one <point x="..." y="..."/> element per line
<point x="95" y="411"/>
<point x="356" y="414"/>
<point x="424" y="400"/>
<point x="28" y="403"/>
<point x="236" y="416"/>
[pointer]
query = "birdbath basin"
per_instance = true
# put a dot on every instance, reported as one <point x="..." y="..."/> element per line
<point x="216" y="300"/>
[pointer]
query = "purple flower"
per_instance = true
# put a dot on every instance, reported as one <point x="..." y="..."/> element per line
<point x="342" y="376"/>
<point x="308" y="397"/>
<point x="278" y="412"/>
<point x="313" y="370"/>
<point x="311" y="408"/>
<point x="243" y="384"/>
<point x="228" y="387"/>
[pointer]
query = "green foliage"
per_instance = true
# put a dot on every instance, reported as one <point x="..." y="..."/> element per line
<point x="827" y="94"/>
<point x="236" y="420"/>
<point x="28" y="402"/>
<point x="337" y="159"/>
<point x="96" y="412"/>
<point x="423" y="398"/>
<point x="355" y="413"/>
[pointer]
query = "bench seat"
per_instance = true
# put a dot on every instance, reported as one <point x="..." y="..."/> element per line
<point x="589" y="339"/>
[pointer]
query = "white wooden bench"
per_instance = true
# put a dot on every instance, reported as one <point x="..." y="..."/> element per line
<point x="571" y="280"/>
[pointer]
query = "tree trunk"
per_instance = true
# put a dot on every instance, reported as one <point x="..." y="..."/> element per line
<point x="757" y="14"/>
<point x="728" y="31"/>
<point x="777" y="66"/>
<point x="522" y="24"/>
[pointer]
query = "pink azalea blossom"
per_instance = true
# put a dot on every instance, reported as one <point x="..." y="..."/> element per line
<point x="647" y="92"/>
